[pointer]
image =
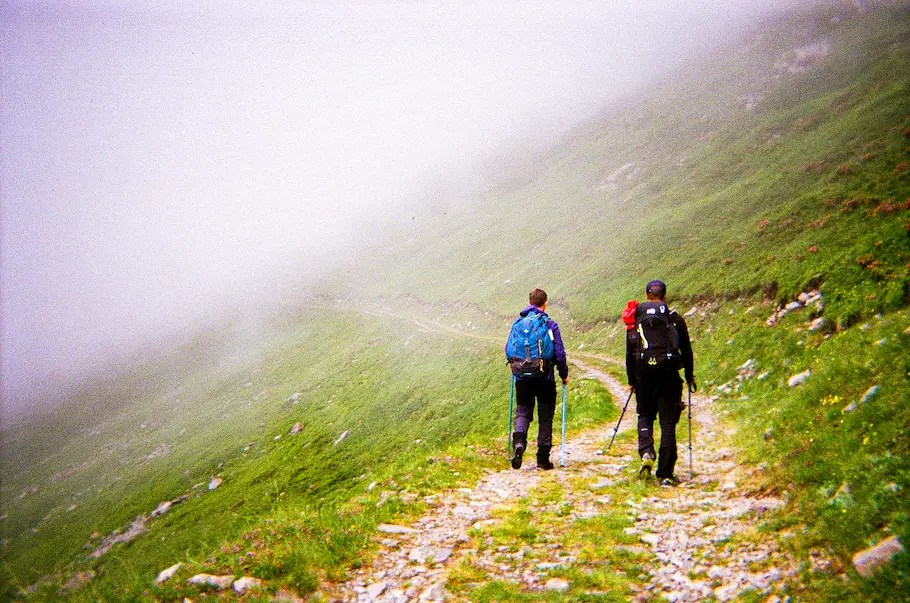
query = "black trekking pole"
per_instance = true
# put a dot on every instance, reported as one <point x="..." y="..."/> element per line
<point x="615" y="429"/>
<point x="691" y="470"/>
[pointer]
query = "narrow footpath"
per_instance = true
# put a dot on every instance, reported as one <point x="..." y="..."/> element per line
<point x="699" y="541"/>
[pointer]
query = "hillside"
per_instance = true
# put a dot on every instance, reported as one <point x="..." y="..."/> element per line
<point x="776" y="172"/>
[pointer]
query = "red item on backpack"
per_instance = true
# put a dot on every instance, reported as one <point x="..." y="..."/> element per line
<point x="628" y="315"/>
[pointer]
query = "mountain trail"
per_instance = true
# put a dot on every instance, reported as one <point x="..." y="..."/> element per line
<point x="701" y="539"/>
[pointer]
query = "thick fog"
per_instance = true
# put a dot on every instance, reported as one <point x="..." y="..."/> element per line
<point x="162" y="161"/>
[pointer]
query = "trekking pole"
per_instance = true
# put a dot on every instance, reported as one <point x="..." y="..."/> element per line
<point x="509" y="430"/>
<point x="615" y="429"/>
<point x="562" y="462"/>
<point x="691" y="470"/>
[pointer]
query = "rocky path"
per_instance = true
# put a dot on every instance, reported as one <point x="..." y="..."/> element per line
<point x="700" y="540"/>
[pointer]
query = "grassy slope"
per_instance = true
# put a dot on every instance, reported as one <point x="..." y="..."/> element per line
<point x="416" y="405"/>
<point x="809" y="188"/>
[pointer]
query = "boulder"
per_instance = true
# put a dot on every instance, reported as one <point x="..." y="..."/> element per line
<point x="868" y="560"/>
<point x="246" y="583"/>
<point x="557" y="584"/>
<point x="393" y="529"/>
<point x="870" y="393"/>
<point x="376" y="589"/>
<point x="167" y="574"/>
<point x="219" y="582"/>
<point x="799" y="378"/>
<point x="435" y="592"/>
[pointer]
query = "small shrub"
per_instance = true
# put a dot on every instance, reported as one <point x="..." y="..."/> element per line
<point x="813" y="249"/>
<point x="902" y="167"/>
<point x="844" y="169"/>
<point x="762" y="225"/>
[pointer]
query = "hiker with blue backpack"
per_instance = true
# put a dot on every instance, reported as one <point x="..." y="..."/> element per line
<point x="533" y="350"/>
<point x="656" y="349"/>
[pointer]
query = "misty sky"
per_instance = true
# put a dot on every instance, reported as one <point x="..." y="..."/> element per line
<point x="159" y="158"/>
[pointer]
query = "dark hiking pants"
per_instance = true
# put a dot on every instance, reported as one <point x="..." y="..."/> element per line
<point x="544" y="392"/>
<point x="661" y="400"/>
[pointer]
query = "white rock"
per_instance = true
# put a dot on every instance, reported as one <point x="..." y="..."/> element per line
<point x="435" y="592"/>
<point x="868" y="560"/>
<point x="817" y="324"/>
<point x="246" y="583"/>
<point x="716" y="572"/>
<point x="738" y="510"/>
<point x="651" y="539"/>
<point x="341" y="437"/>
<point x="162" y="508"/>
<point x="799" y="378"/>
<point x="295" y="429"/>
<point x="376" y="589"/>
<point x="557" y="584"/>
<point x="219" y="582"/>
<point x="691" y="312"/>
<point x="794" y="305"/>
<point x="294" y="398"/>
<point x="167" y="574"/>
<point x="726" y="592"/>
<point x="870" y="393"/>
<point x="393" y="529"/>
<point x="214" y="483"/>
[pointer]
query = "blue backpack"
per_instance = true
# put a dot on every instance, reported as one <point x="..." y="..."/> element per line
<point x="530" y="347"/>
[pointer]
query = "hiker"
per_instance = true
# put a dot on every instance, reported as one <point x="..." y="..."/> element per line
<point x="533" y="349"/>
<point x="656" y="348"/>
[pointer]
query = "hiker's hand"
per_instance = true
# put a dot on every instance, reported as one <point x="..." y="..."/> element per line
<point x="691" y="383"/>
<point x="565" y="381"/>
<point x="631" y="388"/>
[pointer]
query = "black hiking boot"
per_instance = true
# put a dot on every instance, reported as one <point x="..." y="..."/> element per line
<point x="543" y="458"/>
<point x="647" y="465"/>
<point x="669" y="482"/>
<point x="519" y="443"/>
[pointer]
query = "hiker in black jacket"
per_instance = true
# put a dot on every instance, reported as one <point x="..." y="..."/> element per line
<point x="655" y="380"/>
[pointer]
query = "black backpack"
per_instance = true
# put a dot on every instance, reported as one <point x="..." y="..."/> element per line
<point x="657" y="352"/>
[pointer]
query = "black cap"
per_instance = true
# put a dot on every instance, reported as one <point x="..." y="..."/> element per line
<point x="656" y="288"/>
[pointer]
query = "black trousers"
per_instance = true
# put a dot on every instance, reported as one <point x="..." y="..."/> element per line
<point x="662" y="400"/>
<point x="544" y="392"/>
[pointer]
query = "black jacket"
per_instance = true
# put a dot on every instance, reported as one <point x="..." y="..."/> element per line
<point x="685" y="349"/>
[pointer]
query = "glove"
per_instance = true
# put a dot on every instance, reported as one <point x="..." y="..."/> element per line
<point x="690" y="381"/>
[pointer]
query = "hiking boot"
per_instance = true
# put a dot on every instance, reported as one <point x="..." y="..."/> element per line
<point x="519" y="443"/>
<point x="543" y="458"/>
<point x="669" y="482"/>
<point x="647" y="464"/>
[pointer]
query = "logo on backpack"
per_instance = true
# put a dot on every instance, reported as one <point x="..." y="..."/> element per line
<point x="530" y="348"/>
<point x="658" y="341"/>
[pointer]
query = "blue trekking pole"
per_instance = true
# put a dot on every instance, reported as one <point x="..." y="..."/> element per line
<point x="509" y="431"/>
<point x="562" y="462"/>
